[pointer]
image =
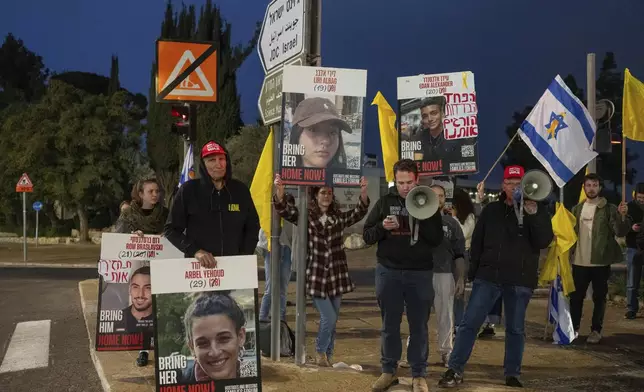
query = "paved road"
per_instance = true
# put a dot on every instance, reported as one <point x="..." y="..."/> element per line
<point x="43" y="338"/>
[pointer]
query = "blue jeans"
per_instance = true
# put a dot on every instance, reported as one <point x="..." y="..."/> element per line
<point x="410" y="291"/>
<point x="459" y="302"/>
<point x="285" y="277"/>
<point x="634" y="263"/>
<point x="484" y="295"/>
<point x="329" y="309"/>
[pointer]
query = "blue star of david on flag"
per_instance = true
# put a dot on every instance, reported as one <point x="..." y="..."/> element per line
<point x="555" y="125"/>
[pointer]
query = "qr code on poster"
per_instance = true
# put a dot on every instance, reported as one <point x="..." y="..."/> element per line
<point x="467" y="151"/>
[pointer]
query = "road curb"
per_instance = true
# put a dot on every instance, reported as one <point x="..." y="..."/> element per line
<point x="92" y="351"/>
<point x="46" y="265"/>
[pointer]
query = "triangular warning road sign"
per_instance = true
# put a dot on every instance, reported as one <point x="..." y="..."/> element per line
<point x="199" y="88"/>
<point x="25" y="181"/>
<point x="24" y="184"/>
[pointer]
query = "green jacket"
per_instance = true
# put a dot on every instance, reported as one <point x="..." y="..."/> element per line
<point x="607" y="224"/>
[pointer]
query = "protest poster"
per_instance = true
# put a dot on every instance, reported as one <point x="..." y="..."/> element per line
<point x="322" y="126"/>
<point x="124" y="314"/>
<point x="206" y="325"/>
<point x="438" y="123"/>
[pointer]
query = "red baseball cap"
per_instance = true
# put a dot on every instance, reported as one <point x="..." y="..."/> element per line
<point x="514" y="171"/>
<point x="212" y="148"/>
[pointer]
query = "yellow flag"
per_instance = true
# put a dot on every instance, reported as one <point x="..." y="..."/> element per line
<point x="563" y="225"/>
<point x="388" y="134"/>
<point x="261" y="188"/>
<point x="582" y="194"/>
<point x="633" y="108"/>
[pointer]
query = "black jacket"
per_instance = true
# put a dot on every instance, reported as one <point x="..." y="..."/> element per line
<point x="394" y="248"/>
<point x="637" y="215"/>
<point x="499" y="254"/>
<point x="224" y="222"/>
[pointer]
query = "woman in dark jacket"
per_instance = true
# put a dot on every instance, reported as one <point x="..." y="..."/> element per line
<point x="144" y="216"/>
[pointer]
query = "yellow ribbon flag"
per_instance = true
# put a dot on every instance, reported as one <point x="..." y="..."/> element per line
<point x="261" y="189"/>
<point x="633" y="108"/>
<point x="582" y="194"/>
<point x="563" y="225"/>
<point x="388" y="134"/>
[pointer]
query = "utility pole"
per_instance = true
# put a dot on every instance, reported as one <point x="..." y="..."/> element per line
<point x="591" y="100"/>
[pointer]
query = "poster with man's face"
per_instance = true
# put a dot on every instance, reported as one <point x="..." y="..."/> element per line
<point x="124" y="315"/>
<point x="438" y="123"/>
<point x="206" y="325"/>
<point x="322" y="126"/>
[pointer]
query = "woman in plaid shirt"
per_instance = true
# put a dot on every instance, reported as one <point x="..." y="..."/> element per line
<point x="327" y="273"/>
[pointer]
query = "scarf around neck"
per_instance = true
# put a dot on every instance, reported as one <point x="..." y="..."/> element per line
<point x="151" y="223"/>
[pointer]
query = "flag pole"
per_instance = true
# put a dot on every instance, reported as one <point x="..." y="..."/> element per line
<point x="500" y="156"/>
<point x="623" y="168"/>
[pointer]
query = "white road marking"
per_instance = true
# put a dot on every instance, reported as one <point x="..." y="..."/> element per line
<point x="28" y="348"/>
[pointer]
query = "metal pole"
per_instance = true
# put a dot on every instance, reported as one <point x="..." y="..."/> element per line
<point x="192" y="138"/>
<point x="591" y="100"/>
<point x="300" y="291"/>
<point x="37" y="229"/>
<point x="24" y="226"/>
<point x="275" y="263"/>
<point x="313" y="43"/>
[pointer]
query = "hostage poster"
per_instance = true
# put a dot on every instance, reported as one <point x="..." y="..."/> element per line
<point x="206" y="324"/>
<point x="124" y="314"/>
<point x="322" y="126"/>
<point x="438" y="123"/>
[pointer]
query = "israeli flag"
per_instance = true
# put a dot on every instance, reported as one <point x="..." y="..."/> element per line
<point x="559" y="311"/>
<point x="560" y="131"/>
<point x="187" y="173"/>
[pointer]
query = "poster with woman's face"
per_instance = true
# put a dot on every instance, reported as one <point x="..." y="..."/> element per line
<point x="206" y="325"/>
<point x="322" y="126"/>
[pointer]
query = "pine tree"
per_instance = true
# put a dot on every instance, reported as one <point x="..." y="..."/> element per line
<point x="115" y="85"/>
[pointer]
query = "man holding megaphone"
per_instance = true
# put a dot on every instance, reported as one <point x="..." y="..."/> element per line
<point x="504" y="264"/>
<point x="407" y="225"/>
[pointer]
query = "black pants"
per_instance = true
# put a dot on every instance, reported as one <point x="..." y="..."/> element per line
<point x="582" y="277"/>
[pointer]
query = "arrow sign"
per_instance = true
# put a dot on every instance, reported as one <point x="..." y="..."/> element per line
<point x="270" y="96"/>
<point x="37" y="206"/>
<point x="24" y="184"/>
<point x="282" y="35"/>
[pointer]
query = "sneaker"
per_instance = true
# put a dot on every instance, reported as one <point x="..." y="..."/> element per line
<point x="404" y="364"/>
<point x="450" y="379"/>
<point x="142" y="360"/>
<point x="384" y="382"/>
<point x="594" y="337"/>
<point x="488" y="331"/>
<point x="322" y="361"/>
<point x="513" y="382"/>
<point x="630" y="315"/>
<point x="445" y="359"/>
<point x="419" y="384"/>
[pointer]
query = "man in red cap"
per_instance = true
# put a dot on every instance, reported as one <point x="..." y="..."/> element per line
<point x="213" y="215"/>
<point x="504" y="262"/>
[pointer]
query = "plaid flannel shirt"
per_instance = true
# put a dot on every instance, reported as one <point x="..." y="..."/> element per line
<point x="327" y="273"/>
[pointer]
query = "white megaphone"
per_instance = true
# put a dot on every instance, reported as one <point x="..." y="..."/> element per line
<point x="421" y="202"/>
<point x="536" y="185"/>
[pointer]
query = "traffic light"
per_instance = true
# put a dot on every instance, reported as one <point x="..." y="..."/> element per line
<point x="181" y="120"/>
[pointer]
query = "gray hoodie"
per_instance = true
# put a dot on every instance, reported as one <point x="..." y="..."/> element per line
<point x="452" y="247"/>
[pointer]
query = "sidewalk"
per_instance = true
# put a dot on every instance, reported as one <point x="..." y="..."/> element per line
<point x="612" y="365"/>
<point x="50" y="256"/>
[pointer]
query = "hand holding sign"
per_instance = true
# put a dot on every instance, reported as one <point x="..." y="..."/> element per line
<point x="279" y="188"/>
<point x="364" y="196"/>
<point x="206" y="259"/>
